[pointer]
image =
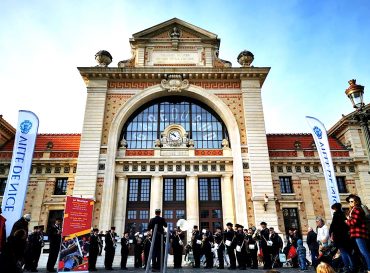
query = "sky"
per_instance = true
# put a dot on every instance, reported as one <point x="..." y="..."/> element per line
<point x="313" y="49"/>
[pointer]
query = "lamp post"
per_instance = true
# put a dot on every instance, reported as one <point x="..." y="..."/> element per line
<point x="355" y="93"/>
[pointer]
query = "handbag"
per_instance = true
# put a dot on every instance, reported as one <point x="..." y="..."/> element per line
<point x="251" y="246"/>
<point x="292" y="253"/>
<point x="269" y="243"/>
<point x="228" y="243"/>
<point x="282" y="257"/>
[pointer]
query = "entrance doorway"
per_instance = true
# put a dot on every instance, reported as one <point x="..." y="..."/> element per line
<point x="174" y="204"/>
<point x="210" y="203"/>
<point x="291" y="219"/>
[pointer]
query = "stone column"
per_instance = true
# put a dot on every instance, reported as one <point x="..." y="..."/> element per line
<point x="88" y="158"/>
<point x="121" y="204"/>
<point x="192" y="202"/>
<point x="325" y="200"/>
<point x="156" y="194"/>
<point x="227" y="193"/>
<point x="36" y="206"/>
<point x="308" y="202"/>
<point x="259" y="160"/>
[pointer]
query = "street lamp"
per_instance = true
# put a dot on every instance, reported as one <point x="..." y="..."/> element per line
<point x="355" y="93"/>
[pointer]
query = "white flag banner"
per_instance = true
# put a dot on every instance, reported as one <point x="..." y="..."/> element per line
<point x="322" y="144"/>
<point x="20" y="167"/>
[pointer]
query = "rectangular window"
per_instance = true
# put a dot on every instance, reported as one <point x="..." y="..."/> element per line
<point x="180" y="214"/>
<point x="131" y="214"/>
<point x="61" y="186"/>
<point x="144" y="214"/>
<point x="138" y="189"/>
<point x="168" y="214"/>
<point x="286" y="184"/>
<point x="2" y="186"/>
<point x="215" y="189"/>
<point x="204" y="213"/>
<point x="174" y="189"/>
<point x="203" y="189"/>
<point x="341" y="182"/>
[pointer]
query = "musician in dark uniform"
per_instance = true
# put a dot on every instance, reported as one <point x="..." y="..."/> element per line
<point x="93" y="249"/>
<point x="138" y="250"/>
<point x="33" y="249"/>
<point x="229" y="239"/>
<point x="265" y="236"/>
<point x="55" y="238"/>
<point x="124" y="250"/>
<point x="147" y="243"/>
<point x="240" y="247"/>
<point x="177" y="242"/>
<point x="207" y="250"/>
<point x="251" y="244"/>
<point x="110" y="248"/>
<point x="220" y="245"/>
<point x="161" y="224"/>
<point x="196" y="242"/>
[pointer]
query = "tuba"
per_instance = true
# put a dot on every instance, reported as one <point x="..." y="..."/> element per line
<point x="183" y="224"/>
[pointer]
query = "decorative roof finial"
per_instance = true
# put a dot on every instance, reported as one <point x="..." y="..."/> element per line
<point x="103" y="58"/>
<point x="245" y="58"/>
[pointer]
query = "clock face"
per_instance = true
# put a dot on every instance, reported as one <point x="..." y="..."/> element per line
<point x="174" y="135"/>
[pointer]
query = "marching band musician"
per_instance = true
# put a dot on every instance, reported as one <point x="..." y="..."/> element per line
<point x="206" y="248"/>
<point x="138" y="250"/>
<point x="265" y="245"/>
<point x="110" y="248"/>
<point x="196" y="240"/>
<point x="55" y="238"/>
<point x="240" y="247"/>
<point x="177" y="238"/>
<point x="161" y="224"/>
<point x="251" y="259"/>
<point x="229" y="238"/>
<point x="93" y="249"/>
<point x="124" y="250"/>
<point x="220" y="246"/>
<point x="147" y="243"/>
<point x="33" y="249"/>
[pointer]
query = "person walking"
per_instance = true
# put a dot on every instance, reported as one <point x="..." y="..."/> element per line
<point x="230" y="242"/>
<point x="196" y="242"/>
<point x="220" y="245"/>
<point x="55" y="238"/>
<point x="124" y="250"/>
<point x="339" y="234"/>
<point x="110" y="248"/>
<point x="357" y="226"/>
<point x="313" y="246"/>
<point x="93" y="249"/>
<point x="157" y="248"/>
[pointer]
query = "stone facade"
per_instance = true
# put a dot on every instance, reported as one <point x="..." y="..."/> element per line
<point x="176" y="61"/>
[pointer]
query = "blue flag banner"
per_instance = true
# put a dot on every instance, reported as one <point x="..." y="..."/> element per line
<point x="322" y="144"/>
<point x="16" y="185"/>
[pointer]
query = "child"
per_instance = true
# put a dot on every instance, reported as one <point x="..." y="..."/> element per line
<point x="301" y="250"/>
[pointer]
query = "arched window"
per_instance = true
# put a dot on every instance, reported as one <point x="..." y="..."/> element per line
<point x="200" y="122"/>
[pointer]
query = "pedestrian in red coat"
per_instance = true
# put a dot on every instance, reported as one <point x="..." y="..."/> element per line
<point x="357" y="226"/>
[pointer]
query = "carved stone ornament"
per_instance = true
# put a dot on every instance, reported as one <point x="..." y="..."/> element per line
<point x="245" y="58"/>
<point x="225" y="143"/>
<point x="123" y="143"/>
<point x="129" y="62"/>
<point x="174" y="83"/>
<point x="103" y="58"/>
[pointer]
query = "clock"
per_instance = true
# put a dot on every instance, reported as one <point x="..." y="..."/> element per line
<point x="174" y="135"/>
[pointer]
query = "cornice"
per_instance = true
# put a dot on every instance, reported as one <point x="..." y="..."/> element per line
<point x="159" y="73"/>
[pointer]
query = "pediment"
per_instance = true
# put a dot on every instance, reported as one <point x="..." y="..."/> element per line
<point x="163" y="31"/>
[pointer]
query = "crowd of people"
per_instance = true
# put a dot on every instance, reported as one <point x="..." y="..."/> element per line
<point x="341" y="246"/>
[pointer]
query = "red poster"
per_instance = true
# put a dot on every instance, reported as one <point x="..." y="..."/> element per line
<point x="77" y="222"/>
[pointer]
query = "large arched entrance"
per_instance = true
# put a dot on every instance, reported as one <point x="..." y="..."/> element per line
<point x="231" y="183"/>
